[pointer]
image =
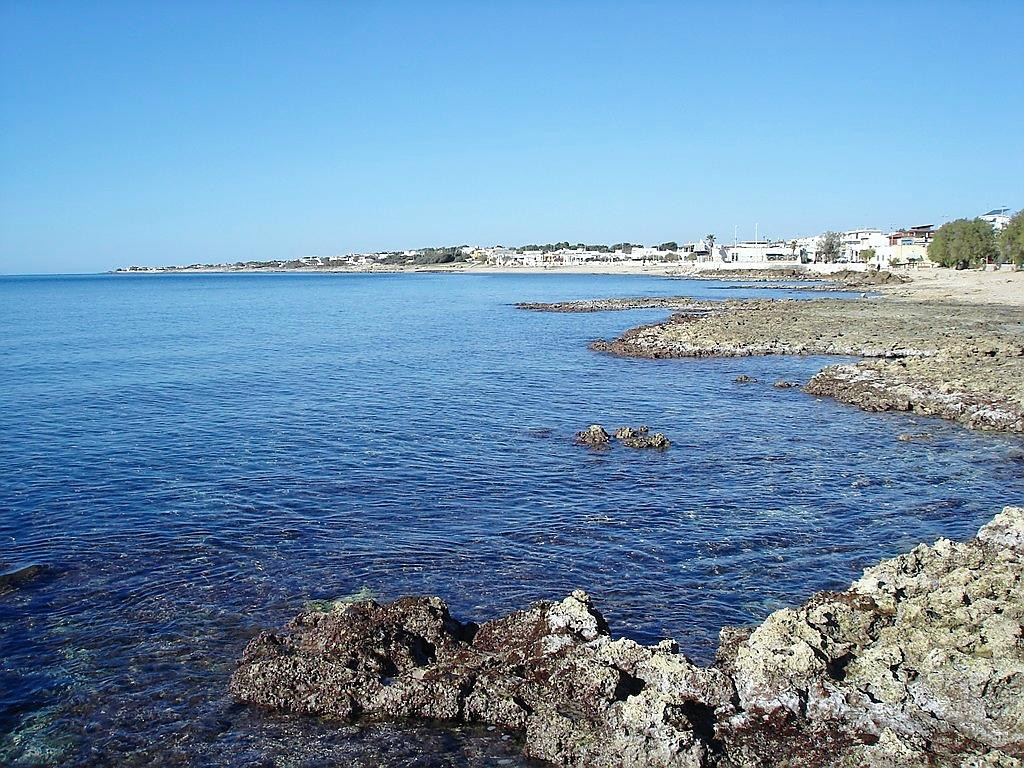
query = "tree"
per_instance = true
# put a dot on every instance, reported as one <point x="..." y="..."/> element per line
<point x="1011" y="240"/>
<point x="710" y="240"/>
<point x="830" y="246"/>
<point x="671" y="245"/>
<point x="867" y="255"/>
<point x="963" y="243"/>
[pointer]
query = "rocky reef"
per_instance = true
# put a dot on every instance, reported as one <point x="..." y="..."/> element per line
<point x="919" y="663"/>
<point x="613" y="305"/>
<point x="894" y="386"/>
<point x="963" y="362"/>
<point x="640" y="438"/>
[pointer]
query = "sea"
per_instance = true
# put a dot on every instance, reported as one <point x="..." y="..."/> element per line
<point x="188" y="459"/>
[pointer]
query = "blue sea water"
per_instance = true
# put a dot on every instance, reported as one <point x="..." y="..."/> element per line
<point x="192" y="458"/>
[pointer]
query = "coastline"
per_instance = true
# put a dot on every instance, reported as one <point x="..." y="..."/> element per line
<point x="917" y="663"/>
<point x="951" y="346"/>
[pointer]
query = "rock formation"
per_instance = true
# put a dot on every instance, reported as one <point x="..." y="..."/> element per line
<point x="641" y="437"/>
<point x="892" y="386"/>
<point x="958" y="361"/>
<point x="594" y="435"/>
<point x="633" y="437"/>
<point x="919" y="663"/>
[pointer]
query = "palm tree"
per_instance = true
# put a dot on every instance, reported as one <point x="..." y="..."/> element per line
<point x="710" y="240"/>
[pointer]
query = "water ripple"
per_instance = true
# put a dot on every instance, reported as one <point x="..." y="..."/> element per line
<point x="191" y="459"/>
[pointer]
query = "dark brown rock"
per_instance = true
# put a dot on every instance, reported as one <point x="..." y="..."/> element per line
<point x="594" y="435"/>
<point x="641" y="438"/>
<point x="552" y="671"/>
<point x="919" y="663"/>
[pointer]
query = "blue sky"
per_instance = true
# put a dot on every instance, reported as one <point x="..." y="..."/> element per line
<point x="151" y="133"/>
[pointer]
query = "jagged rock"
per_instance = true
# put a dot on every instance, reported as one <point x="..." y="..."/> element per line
<point x="744" y="379"/>
<point x="593" y="435"/>
<point x="889" y="386"/>
<point x="919" y="662"/>
<point x="927" y="646"/>
<point x="913" y="437"/>
<point x="783" y="384"/>
<point x="641" y="437"/>
<point x="552" y="671"/>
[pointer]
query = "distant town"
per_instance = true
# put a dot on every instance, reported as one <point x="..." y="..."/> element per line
<point x="855" y="248"/>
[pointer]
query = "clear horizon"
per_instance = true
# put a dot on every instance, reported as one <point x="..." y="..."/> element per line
<point x="190" y="132"/>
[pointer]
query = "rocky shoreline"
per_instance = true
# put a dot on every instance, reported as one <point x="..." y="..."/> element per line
<point x="683" y="303"/>
<point x="919" y="663"/>
<point x="963" y="362"/>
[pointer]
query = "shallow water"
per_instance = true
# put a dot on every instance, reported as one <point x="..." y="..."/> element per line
<point x="191" y="458"/>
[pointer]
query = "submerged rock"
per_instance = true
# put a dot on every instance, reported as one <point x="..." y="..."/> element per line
<point x="919" y="662"/>
<point x="19" y="575"/>
<point x="593" y="435"/>
<point x="783" y="384"/>
<point x="913" y="437"/>
<point x="744" y="379"/>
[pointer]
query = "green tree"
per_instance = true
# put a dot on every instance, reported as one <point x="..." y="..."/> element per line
<point x="1011" y="240"/>
<point x="963" y="243"/>
<point x="867" y="254"/>
<point x="830" y="246"/>
<point x="671" y="245"/>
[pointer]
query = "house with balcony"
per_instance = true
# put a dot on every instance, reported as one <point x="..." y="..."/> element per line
<point x="856" y="241"/>
<point x="907" y="246"/>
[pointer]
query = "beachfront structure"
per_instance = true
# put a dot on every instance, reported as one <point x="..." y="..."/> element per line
<point x="856" y="241"/>
<point x="997" y="217"/>
<point x="756" y="254"/>
<point x="907" y="246"/>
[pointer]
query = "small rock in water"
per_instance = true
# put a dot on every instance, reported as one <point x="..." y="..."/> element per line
<point x="911" y="437"/>
<point x="744" y="379"/>
<point x="783" y="384"/>
<point x="594" y="435"/>
<point x="338" y="603"/>
<point x="640" y="437"/>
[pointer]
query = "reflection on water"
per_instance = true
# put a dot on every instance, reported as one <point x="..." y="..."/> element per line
<point x="192" y="458"/>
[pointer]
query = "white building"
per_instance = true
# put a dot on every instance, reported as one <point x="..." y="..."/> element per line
<point x="997" y="217"/>
<point x="856" y="241"/>
<point x="760" y="254"/>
